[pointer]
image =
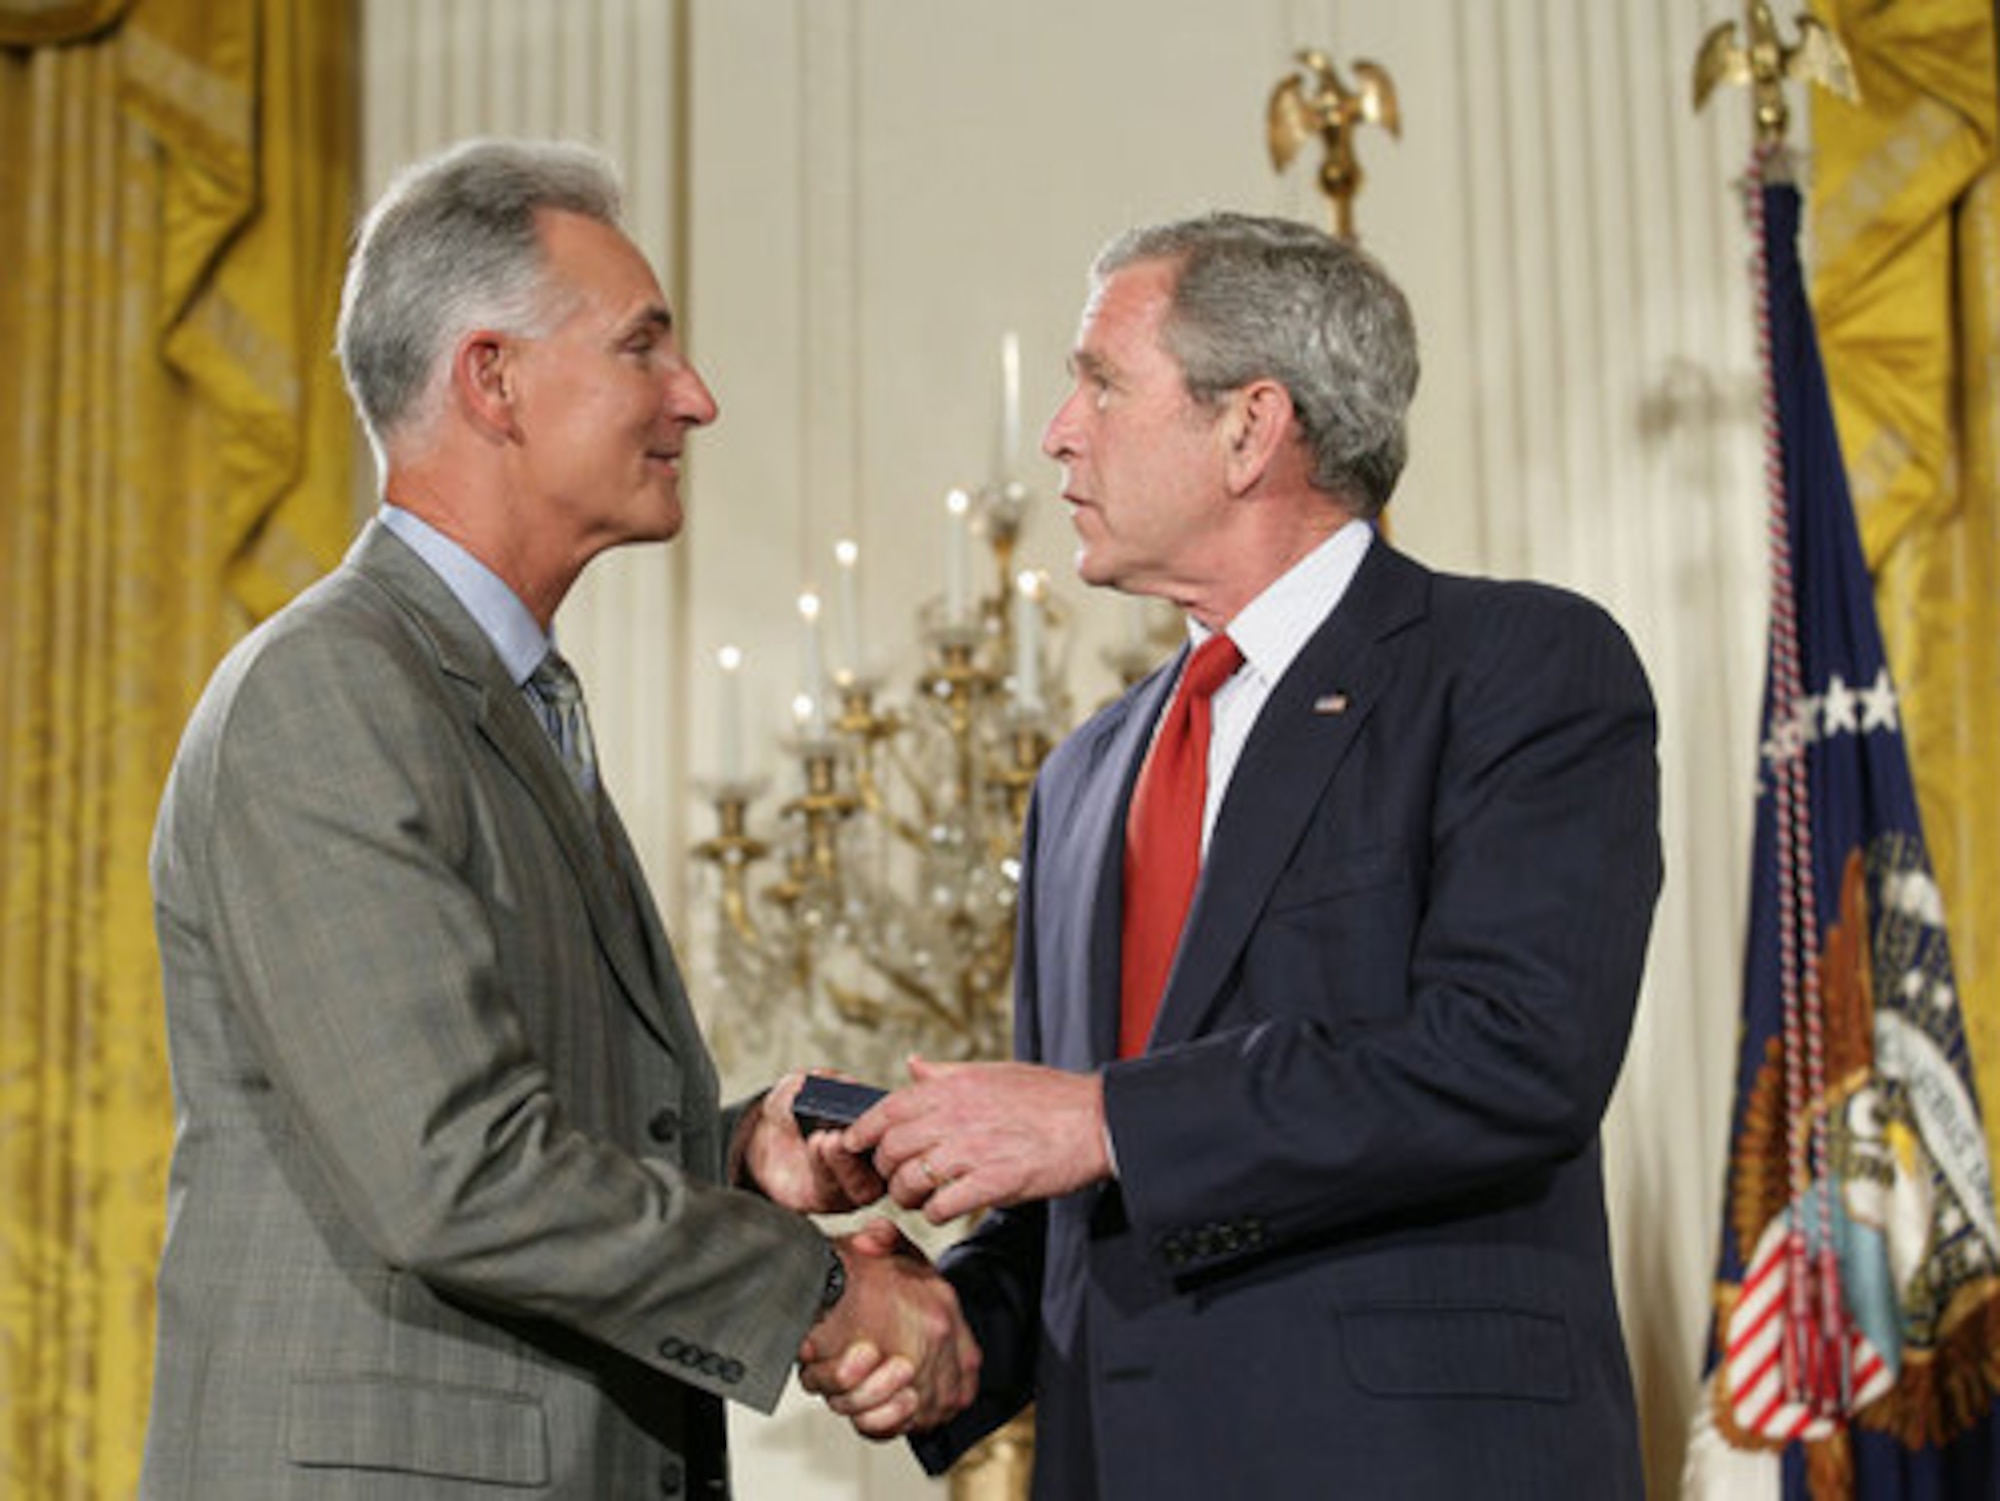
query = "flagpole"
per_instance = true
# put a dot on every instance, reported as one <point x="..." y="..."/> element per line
<point x="1816" y="1332"/>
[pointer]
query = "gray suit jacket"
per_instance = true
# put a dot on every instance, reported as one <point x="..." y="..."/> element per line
<point x="444" y="1201"/>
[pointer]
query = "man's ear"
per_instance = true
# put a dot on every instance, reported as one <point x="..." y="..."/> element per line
<point x="483" y="381"/>
<point x="1258" y="423"/>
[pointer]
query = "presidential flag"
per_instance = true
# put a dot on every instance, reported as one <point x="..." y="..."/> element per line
<point x="1855" y="1348"/>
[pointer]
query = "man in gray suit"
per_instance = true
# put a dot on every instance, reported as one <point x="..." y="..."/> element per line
<point x="454" y="1209"/>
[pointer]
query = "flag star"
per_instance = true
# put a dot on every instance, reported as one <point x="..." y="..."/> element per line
<point x="1807" y="718"/>
<point x="1838" y="704"/>
<point x="1785" y="742"/>
<point x="1913" y="985"/>
<point x="1944" y="997"/>
<point x="1878" y="704"/>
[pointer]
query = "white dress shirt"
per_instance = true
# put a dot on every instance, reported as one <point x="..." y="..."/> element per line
<point x="1270" y="631"/>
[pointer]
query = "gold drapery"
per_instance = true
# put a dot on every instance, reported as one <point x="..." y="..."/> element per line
<point x="26" y="23"/>
<point x="1905" y="204"/>
<point x="174" y="202"/>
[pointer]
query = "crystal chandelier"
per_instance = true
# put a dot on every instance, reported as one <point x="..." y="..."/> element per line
<point x="878" y="918"/>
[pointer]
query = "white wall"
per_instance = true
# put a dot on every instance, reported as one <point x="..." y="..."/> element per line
<point x="853" y="198"/>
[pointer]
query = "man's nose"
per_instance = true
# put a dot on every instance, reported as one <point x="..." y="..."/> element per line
<point x="1059" y="437"/>
<point x="691" y="400"/>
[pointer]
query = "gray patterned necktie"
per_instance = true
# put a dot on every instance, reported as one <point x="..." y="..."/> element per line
<point x="568" y="724"/>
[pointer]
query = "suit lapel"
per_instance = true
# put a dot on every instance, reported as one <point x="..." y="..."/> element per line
<point x="502" y="716"/>
<point x="682" y="1033"/>
<point x="511" y="727"/>
<point x="1301" y="738"/>
<point x="1092" y="844"/>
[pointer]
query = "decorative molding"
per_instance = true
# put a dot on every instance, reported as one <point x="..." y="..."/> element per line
<point x="831" y="290"/>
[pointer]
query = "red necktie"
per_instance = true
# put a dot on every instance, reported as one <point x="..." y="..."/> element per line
<point x="1163" y="841"/>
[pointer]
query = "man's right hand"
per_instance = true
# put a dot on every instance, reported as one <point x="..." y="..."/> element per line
<point x="894" y="1355"/>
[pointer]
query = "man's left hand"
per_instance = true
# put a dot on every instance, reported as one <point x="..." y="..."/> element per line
<point x="813" y="1174"/>
<point x="968" y="1136"/>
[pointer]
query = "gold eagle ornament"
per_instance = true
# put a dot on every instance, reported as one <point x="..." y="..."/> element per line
<point x="1313" y="101"/>
<point x="1766" y="64"/>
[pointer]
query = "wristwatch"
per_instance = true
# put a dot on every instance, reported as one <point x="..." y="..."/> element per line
<point x="836" y="1280"/>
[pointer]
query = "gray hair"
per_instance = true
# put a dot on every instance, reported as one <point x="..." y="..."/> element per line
<point x="1258" y="298"/>
<point x="453" y="246"/>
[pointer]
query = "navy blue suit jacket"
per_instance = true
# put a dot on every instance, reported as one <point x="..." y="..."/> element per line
<point x="1357" y="1243"/>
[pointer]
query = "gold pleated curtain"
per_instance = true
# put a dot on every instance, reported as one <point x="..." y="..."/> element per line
<point x="175" y="461"/>
<point x="1905" y="219"/>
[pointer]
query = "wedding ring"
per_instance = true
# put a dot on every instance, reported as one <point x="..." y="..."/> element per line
<point x="937" y="1178"/>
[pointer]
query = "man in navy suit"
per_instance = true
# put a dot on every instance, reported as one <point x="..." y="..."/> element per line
<point x="1329" y="1220"/>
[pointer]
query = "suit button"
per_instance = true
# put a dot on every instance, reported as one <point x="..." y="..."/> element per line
<point x="732" y="1371"/>
<point x="673" y="1476"/>
<point x="665" y="1125"/>
<point x="672" y="1348"/>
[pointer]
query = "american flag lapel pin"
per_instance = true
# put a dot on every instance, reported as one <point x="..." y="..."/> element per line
<point x="1330" y="703"/>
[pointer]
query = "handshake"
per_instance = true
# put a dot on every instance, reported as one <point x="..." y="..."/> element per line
<point x="893" y="1353"/>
